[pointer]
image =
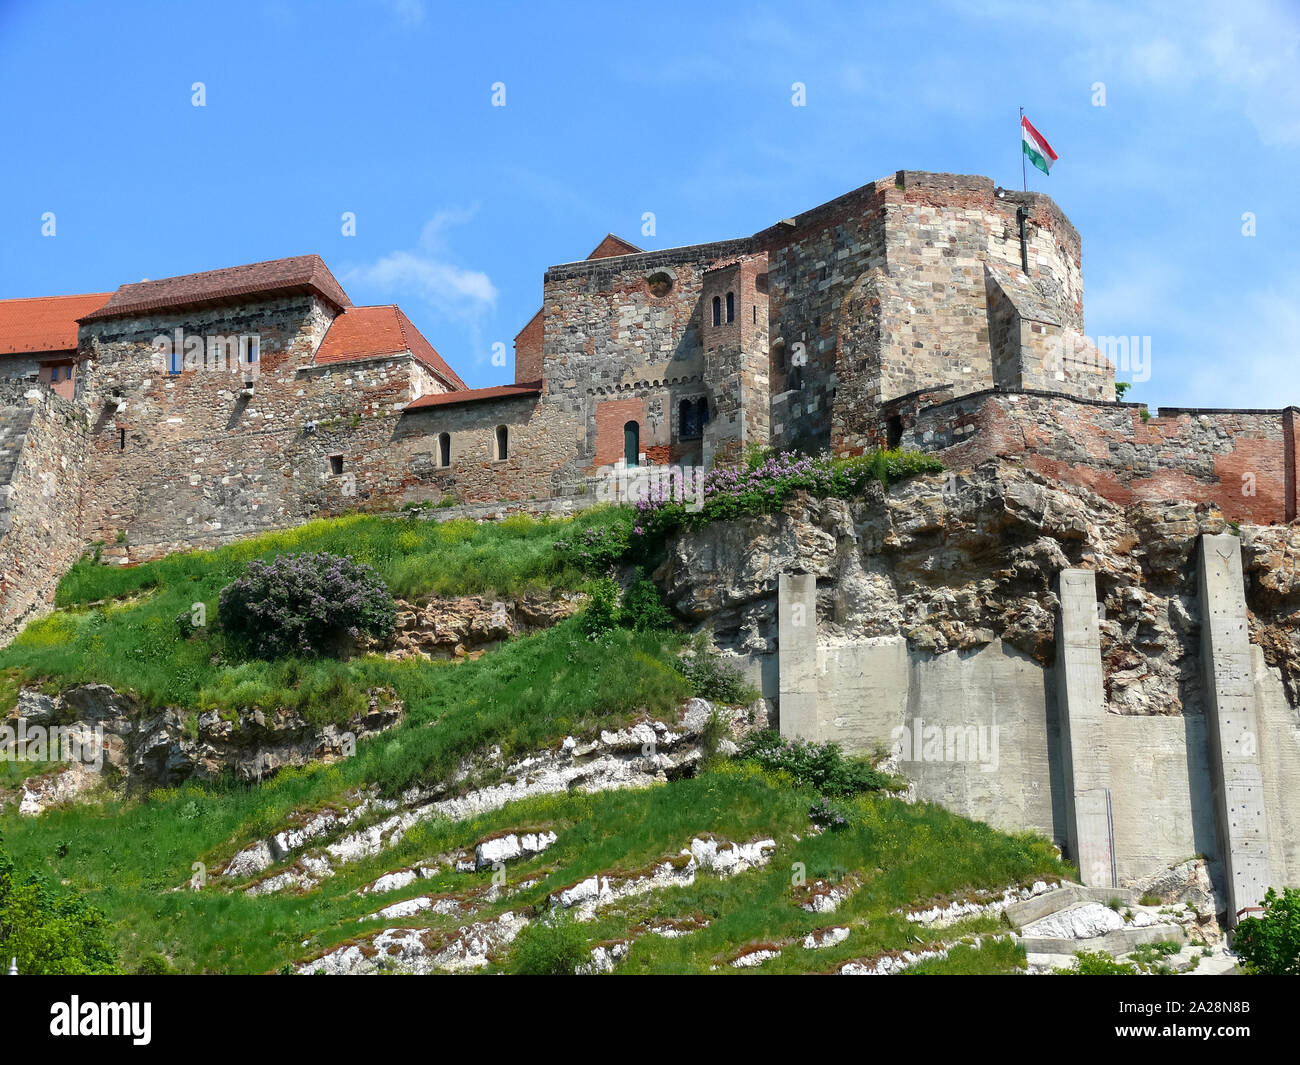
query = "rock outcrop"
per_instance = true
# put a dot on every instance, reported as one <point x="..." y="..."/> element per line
<point x="126" y="745"/>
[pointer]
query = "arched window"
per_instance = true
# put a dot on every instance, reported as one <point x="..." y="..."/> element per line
<point x="717" y="310"/>
<point x="444" y="449"/>
<point x="632" y="443"/>
<point x="503" y="443"/>
<point x="731" y="306"/>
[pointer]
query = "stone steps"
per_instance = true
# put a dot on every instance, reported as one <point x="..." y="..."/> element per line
<point x="1114" y="943"/>
<point x="1065" y="897"/>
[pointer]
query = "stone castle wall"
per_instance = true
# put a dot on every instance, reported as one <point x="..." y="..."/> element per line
<point x="1242" y="461"/>
<point x="42" y="464"/>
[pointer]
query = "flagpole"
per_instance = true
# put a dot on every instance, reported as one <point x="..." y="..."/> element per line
<point x="1024" y="174"/>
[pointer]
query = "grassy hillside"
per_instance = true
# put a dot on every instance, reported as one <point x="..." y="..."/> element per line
<point x="120" y="626"/>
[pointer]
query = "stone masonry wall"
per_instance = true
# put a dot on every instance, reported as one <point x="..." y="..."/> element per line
<point x="42" y="461"/>
<point x="1243" y="461"/>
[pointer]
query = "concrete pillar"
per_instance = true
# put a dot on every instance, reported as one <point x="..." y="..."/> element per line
<point x="1233" y="724"/>
<point x="796" y="611"/>
<point x="1081" y="698"/>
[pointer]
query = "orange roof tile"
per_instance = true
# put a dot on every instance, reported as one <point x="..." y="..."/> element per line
<point x="476" y="395"/>
<point x="300" y="274"/>
<point x="371" y="332"/>
<point x="44" y="323"/>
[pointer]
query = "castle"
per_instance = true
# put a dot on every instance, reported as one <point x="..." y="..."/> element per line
<point x="924" y="310"/>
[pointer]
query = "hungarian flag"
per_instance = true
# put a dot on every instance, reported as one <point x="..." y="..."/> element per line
<point x="1035" y="146"/>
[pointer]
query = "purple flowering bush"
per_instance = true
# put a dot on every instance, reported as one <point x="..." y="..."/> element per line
<point x="309" y="604"/>
<point x="767" y="480"/>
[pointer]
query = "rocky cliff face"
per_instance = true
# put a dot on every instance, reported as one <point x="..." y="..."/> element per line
<point x="955" y="561"/>
<point x="122" y="745"/>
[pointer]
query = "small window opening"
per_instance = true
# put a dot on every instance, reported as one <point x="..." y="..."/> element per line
<point x="444" y="450"/>
<point x="121" y="440"/>
<point x="756" y="314"/>
<point x="717" y="310"/>
<point x="503" y="443"/>
<point x="731" y="307"/>
<point x="336" y="464"/>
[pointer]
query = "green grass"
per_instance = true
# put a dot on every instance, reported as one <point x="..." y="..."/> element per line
<point x="415" y="557"/>
<point x="131" y="638"/>
<point x="127" y="858"/>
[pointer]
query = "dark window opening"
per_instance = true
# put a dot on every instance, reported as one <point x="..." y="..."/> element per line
<point x="702" y="411"/>
<point x="731" y="306"/>
<point x="121" y="440"/>
<point x="717" y="310"/>
<point x="632" y="443"/>
<point x="336" y="464"/>
<point x="756" y="314"/>
<point x="503" y="443"/>
<point x="444" y="449"/>
<point x="894" y="431"/>
<point x="691" y="424"/>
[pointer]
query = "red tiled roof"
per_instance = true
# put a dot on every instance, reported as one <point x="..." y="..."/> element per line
<point x="476" y="395"/>
<point x="44" y="323"/>
<point x="370" y="332"/>
<point x="611" y="246"/>
<point x="300" y="274"/>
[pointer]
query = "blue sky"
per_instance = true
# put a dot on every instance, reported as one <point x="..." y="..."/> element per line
<point x="384" y="108"/>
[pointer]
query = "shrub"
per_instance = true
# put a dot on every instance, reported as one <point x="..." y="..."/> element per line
<point x="643" y="607"/>
<point x="599" y="544"/>
<point x="821" y="766"/>
<point x="554" y="946"/>
<point x="306" y="604"/>
<point x="1096" y="963"/>
<point x="602" y="613"/>
<point x="713" y="679"/>
<point x="827" y="815"/>
<point x="1270" y="945"/>
<point x="49" y="931"/>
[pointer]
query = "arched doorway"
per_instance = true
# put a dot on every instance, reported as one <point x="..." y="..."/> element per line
<point x="632" y="443"/>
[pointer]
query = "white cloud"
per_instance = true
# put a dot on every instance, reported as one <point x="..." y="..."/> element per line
<point x="428" y="274"/>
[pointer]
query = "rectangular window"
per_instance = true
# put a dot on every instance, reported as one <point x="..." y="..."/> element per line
<point x="336" y="464"/>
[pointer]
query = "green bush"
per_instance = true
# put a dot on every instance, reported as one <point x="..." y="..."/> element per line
<point x="713" y="679"/>
<point x="598" y="540"/>
<point x="601" y="614"/>
<point x="309" y="604"/>
<point x="554" y="946"/>
<point x="821" y="766"/>
<point x="643" y="607"/>
<point x="1270" y="945"/>
<point x="49" y="931"/>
